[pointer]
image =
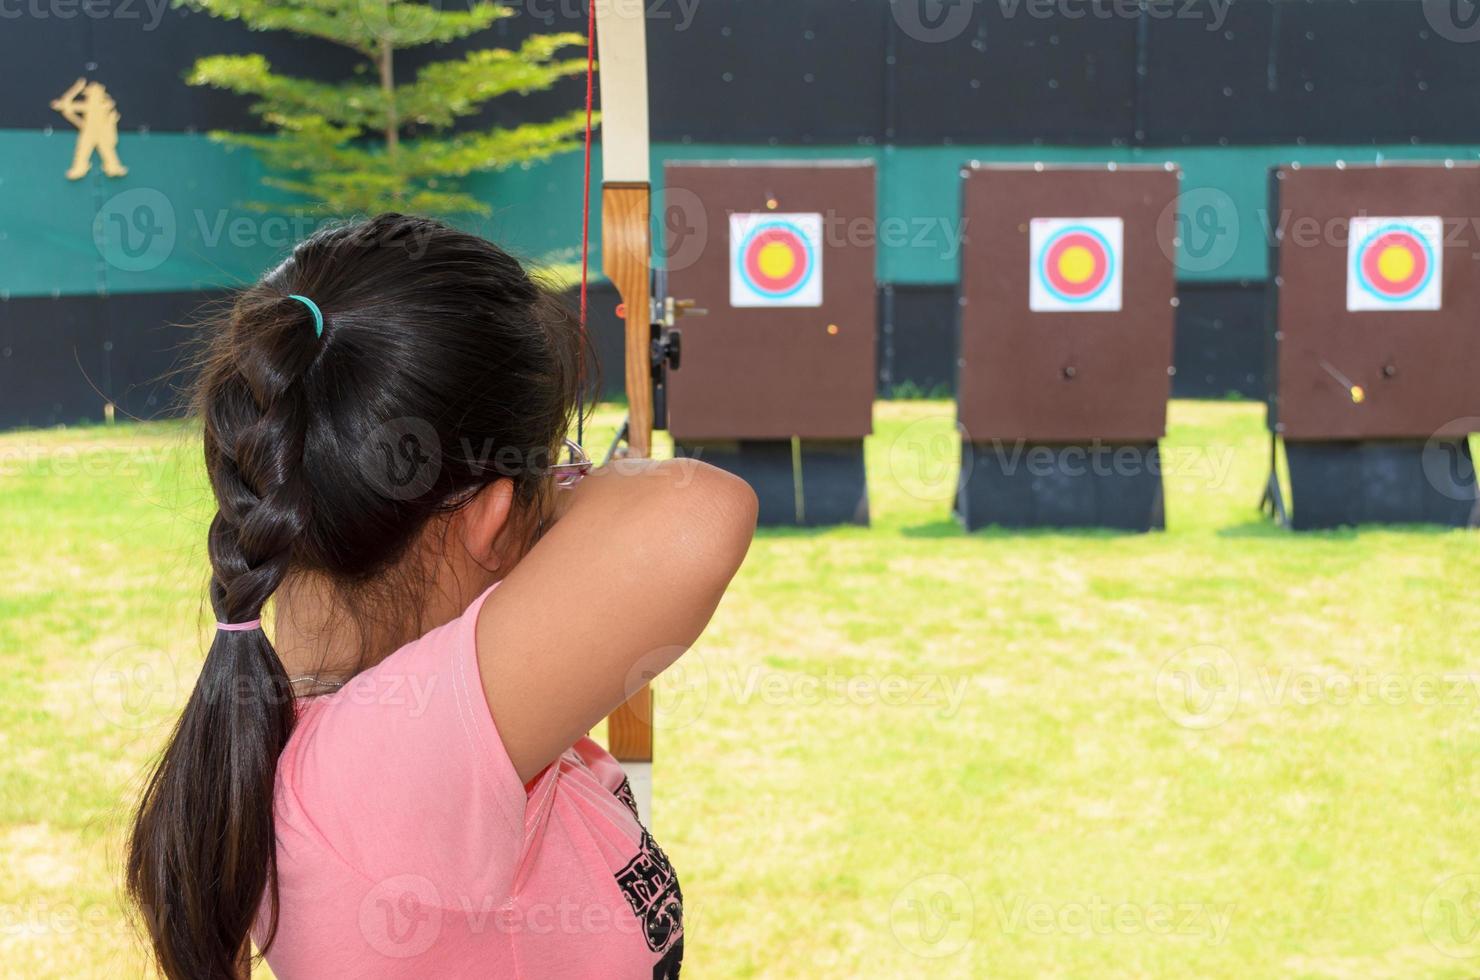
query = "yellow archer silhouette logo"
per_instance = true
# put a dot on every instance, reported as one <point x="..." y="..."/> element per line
<point x="88" y="106"/>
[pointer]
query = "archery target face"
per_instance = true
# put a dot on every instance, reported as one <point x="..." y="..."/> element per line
<point x="1395" y="264"/>
<point x="775" y="259"/>
<point x="1076" y="264"/>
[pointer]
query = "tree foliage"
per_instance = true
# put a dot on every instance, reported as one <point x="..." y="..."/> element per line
<point x="370" y="143"/>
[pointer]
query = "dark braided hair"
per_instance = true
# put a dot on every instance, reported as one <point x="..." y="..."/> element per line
<point x="442" y="367"/>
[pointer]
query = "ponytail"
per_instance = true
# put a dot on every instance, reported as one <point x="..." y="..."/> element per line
<point x="202" y="854"/>
<point x="203" y="849"/>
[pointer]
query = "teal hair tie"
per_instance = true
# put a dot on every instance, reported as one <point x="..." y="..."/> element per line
<point x="318" y="316"/>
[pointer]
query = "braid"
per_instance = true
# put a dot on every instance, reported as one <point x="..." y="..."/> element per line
<point x="256" y="467"/>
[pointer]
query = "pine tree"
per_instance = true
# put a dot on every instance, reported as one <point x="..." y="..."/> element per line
<point x="369" y="144"/>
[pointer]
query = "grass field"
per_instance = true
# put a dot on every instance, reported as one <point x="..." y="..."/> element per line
<point x="1220" y="751"/>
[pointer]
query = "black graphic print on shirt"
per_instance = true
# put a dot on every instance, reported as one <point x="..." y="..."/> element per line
<point x="624" y="793"/>
<point x="650" y="885"/>
<point x="667" y="968"/>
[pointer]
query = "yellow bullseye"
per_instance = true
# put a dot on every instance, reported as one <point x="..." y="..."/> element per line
<point x="1076" y="264"/>
<point x="1395" y="263"/>
<point x="776" y="260"/>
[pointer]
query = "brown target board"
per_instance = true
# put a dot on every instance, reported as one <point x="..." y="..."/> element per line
<point x="1376" y="300"/>
<point x="782" y="257"/>
<point x="1067" y="302"/>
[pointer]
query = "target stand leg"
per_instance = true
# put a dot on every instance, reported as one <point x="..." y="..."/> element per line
<point x="799" y="483"/>
<point x="1386" y="481"/>
<point x="834" y="487"/>
<point x="1272" y="504"/>
<point x="1080" y="485"/>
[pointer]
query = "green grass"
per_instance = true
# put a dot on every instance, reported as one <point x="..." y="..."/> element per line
<point x="1225" y="750"/>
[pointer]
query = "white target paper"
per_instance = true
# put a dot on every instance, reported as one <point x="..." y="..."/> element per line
<point x="1076" y="265"/>
<point x="776" y="259"/>
<point x="1395" y="264"/>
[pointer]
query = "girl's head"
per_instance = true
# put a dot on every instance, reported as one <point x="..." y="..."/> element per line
<point x="442" y="370"/>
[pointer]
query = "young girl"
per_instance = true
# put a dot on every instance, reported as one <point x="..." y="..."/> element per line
<point x="398" y="782"/>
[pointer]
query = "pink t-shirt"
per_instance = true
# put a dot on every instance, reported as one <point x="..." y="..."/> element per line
<point x="407" y="846"/>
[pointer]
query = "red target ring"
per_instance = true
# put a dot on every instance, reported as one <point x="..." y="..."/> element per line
<point x="1076" y="264"/>
<point x="1395" y="263"/>
<point x="777" y="259"/>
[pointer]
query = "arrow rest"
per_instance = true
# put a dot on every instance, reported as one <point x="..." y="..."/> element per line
<point x="665" y="353"/>
<point x="666" y="344"/>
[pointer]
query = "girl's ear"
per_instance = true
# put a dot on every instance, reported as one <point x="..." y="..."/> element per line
<point x="485" y="518"/>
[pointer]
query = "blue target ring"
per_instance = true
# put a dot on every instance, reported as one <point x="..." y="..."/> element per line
<point x="797" y="238"/>
<point x="1106" y="259"/>
<point x="1409" y="237"/>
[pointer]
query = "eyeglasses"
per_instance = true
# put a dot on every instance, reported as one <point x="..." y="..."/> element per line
<point x="573" y="471"/>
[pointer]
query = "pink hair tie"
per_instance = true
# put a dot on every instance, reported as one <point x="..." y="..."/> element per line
<point x="240" y="627"/>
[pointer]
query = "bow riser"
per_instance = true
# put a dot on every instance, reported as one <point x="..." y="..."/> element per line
<point x="626" y="257"/>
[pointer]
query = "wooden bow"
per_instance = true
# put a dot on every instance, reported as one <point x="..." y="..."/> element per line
<point x="626" y="258"/>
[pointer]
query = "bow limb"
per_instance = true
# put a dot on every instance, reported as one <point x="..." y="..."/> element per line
<point x="626" y="199"/>
<point x="626" y="258"/>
